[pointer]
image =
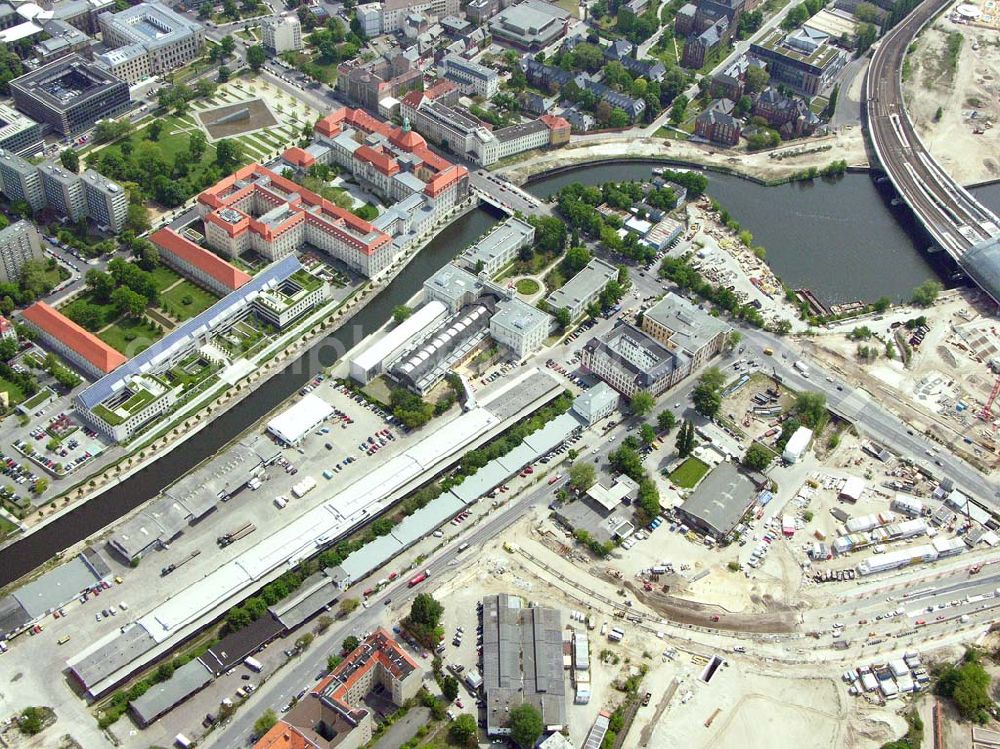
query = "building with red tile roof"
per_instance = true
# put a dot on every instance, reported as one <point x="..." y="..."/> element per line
<point x="69" y="340"/>
<point x="7" y="328"/>
<point x="201" y="266"/>
<point x="258" y="209"/>
<point x="299" y="157"/>
<point x="334" y="713"/>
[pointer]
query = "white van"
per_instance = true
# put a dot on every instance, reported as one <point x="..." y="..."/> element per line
<point x="280" y="502"/>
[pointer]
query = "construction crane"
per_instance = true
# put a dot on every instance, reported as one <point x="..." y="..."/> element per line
<point x="987" y="411"/>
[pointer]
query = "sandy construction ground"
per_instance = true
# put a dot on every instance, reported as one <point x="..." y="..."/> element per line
<point x="969" y="97"/>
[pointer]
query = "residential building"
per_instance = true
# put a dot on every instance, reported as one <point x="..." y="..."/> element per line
<point x="335" y="713"/>
<point x="19" y="134"/>
<point x="370" y="18"/>
<point x="631" y="361"/>
<point x="19" y="243"/>
<point x="70" y="94"/>
<point x="203" y="267"/>
<point x="789" y="115"/>
<point x="84" y="350"/>
<point x="583" y="288"/>
<point x="550" y="78"/>
<point x="520" y="327"/>
<point x="698" y="47"/>
<point x="394" y="12"/>
<point x="522" y="662"/>
<point x="528" y="136"/>
<point x="805" y="62"/>
<point x="499" y="247"/>
<point x="20" y="181"/>
<point x="472" y="78"/>
<point x="7" y="329"/>
<point x="107" y="202"/>
<point x="148" y="39"/>
<point x="64" y="193"/>
<point x="530" y="24"/>
<point x="682" y="326"/>
<point x="717" y="124"/>
<point x="282" y="33"/>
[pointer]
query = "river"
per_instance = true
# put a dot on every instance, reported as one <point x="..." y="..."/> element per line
<point x="840" y="238"/>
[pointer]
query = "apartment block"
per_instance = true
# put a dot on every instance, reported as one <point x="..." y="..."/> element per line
<point x="20" y="181"/>
<point x="19" y="134"/>
<point x="472" y="78"/>
<point x="282" y="33"/>
<point x="19" y="243"/>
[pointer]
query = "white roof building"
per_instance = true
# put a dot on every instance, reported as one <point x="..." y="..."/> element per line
<point x="373" y="360"/>
<point x="853" y="488"/>
<point x="796" y="447"/>
<point x="294" y="423"/>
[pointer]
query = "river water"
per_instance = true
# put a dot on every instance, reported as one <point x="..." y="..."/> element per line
<point x="842" y="239"/>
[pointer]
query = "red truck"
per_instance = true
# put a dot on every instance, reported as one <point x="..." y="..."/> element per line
<point x="419" y="578"/>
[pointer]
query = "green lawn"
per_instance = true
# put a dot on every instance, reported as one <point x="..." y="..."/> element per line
<point x="198" y="300"/>
<point x="15" y="393"/>
<point x="689" y="473"/>
<point x="527" y="286"/>
<point x="164" y="277"/>
<point x="130" y="336"/>
<point x="6" y="527"/>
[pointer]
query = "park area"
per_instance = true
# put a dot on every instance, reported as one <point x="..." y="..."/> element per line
<point x="689" y="473"/>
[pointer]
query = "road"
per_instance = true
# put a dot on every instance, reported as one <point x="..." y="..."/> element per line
<point x="955" y="220"/>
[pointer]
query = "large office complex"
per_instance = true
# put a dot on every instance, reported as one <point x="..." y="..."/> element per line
<point x="282" y="33"/>
<point x="70" y="94"/>
<point x="630" y="361"/>
<point x="682" y="326"/>
<point x="522" y="662"/>
<point x="803" y="60"/>
<point x="368" y="83"/>
<point x="334" y="712"/>
<point x="148" y="39"/>
<point x="19" y="243"/>
<point x="19" y="134"/>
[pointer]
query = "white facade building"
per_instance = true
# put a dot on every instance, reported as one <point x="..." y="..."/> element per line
<point x="282" y="34"/>
<point x="520" y="327"/>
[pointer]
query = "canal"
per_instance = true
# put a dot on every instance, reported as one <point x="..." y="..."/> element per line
<point x="23" y="556"/>
<point x="840" y="238"/>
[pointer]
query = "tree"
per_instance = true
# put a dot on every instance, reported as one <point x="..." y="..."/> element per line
<point x="227" y="154"/>
<point x="882" y="304"/>
<point x="449" y="688"/>
<point x="866" y="13"/>
<point x="197" y="143"/>
<point x="810" y="408"/>
<point x="666" y="420"/>
<point x="642" y="403"/>
<point x="30" y="722"/>
<point x="647" y="434"/>
<point x="264" y="723"/>
<point x="426" y="610"/>
<point x="40" y="486"/>
<point x="867" y="34"/>
<point x="563" y="318"/>
<point x="347" y="606"/>
<point x="463" y="730"/>
<point x="757" y="457"/>
<point x="256" y="57"/>
<point x="228" y="45"/>
<point x="128" y="302"/>
<point x="968" y="686"/>
<point x="626" y="460"/>
<point x="205" y="11"/>
<point x="153" y="132"/>
<point x="70" y="160"/>
<point x="678" y="109"/>
<point x="926" y="293"/>
<point x="400" y="313"/>
<point x="101" y="285"/>
<point x="685" y="439"/>
<point x="224" y="74"/>
<point x="525" y="725"/>
<point x="757" y="79"/>
<point x="707" y="395"/>
<point x="582" y="476"/>
<point x="349" y="644"/>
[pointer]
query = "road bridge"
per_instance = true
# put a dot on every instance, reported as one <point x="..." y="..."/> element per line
<point x="958" y="223"/>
